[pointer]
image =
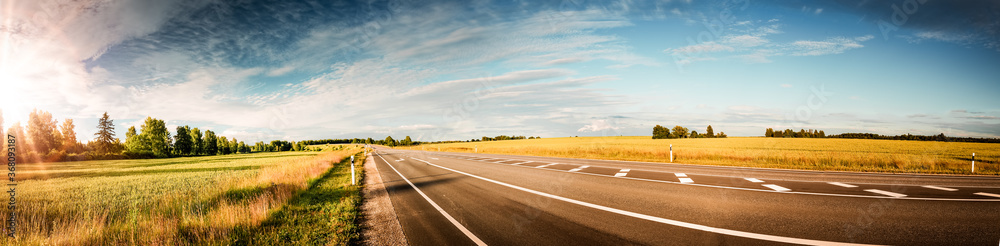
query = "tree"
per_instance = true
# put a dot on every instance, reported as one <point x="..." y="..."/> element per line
<point x="823" y="134"/>
<point x="406" y="141"/>
<point x="211" y="143"/>
<point x="680" y="132"/>
<point x="391" y="142"/>
<point x="197" y="144"/>
<point x="132" y="141"/>
<point x="69" y="143"/>
<point x="234" y="146"/>
<point x="660" y="132"/>
<point x="223" y="145"/>
<point x="155" y="135"/>
<point x="694" y="134"/>
<point x="709" y="132"/>
<point x="722" y="135"/>
<point x="182" y="141"/>
<point x="41" y="127"/>
<point x="769" y="133"/>
<point x="105" y="134"/>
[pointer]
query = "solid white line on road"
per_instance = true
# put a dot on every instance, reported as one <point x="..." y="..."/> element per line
<point x="686" y="180"/>
<point x="546" y="165"/>
<point x="892" y="194"/>
<point x="939" y="188"/>
<point x="754" y="180"/>
<point x="842" y="184"/>
<point x="681" y="175"/>
<point x="578" y="169"/>
<point x="986" y="194"/>
<point x="400" y="160"/>
<point x="777" y="188"/>
<point x="446" y="215"/>
<point x="654" y="218"/>
<point x="622" y="173"/>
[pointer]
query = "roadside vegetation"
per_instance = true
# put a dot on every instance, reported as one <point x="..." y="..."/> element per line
<point x="862" y="155"/>
<point x="221" y="200"/>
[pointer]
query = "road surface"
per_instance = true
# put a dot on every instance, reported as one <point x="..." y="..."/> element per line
<point x="467" y="199"/>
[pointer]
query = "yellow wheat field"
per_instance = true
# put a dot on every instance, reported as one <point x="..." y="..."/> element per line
<point x="863" y="155"/>
<point x="175" y="201"/>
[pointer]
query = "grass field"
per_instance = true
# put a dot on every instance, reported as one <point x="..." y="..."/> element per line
<point x="249" y="199"/>
<point x="889" y="156"/>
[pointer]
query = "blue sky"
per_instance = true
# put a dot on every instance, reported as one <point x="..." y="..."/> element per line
<point x="444" y="70"/>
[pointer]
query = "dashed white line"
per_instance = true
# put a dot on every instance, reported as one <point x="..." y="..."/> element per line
<point x="772" y="238"/>
<point x="439" y="209"/>
<point x="777" y="188"/>
<point x="754" y="180"/>
<point x="986" y="194"/>
<point x="892" y="194"/>
<point x="939" y="188"/>
<point x="842" y="184"/>
<point x="686" y="180"/>
<point x="578" y="169"/>
<point x="546" y="165"/>
<point x="681" y="175"/>
<point x="622" y="173"/>
<point x="522" y="163"/>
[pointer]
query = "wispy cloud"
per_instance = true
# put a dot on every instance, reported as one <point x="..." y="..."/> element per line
<point x="757" y="46"/>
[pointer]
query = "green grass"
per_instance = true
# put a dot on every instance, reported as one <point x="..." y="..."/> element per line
<point x="174" y="201"/>
<point x="325" y="214"/>
<point x="860" y="155"/>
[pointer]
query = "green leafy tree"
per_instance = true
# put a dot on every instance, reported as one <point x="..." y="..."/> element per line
<point x="182" y="141"/>
<point x="154" y="132"/>
<point x="105" y="134"/>
<point x="197" y="144"/>
<point x="17" y="131"/>
<point x="389" y="141"/>
<point x="709" y="133"/>
<point x="211" y="143"/>
<point x="722" y="135"/>
<point x="694" y="134"/>
<point x="660" y="132"/>
<point x="234" y="146"/>
<point x="680" y="132"/>
<point x="769" y="133"/>
<point x="406" y="141"/>
<point x="132" y="141"/>
<point x="223" y="145"/>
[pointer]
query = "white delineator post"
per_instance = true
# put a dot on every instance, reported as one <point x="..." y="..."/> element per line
<point x="671" y="153"/>
<point x="973" y="162"/>
<point x="352" y="170"/>
<point x="477" y="148"/>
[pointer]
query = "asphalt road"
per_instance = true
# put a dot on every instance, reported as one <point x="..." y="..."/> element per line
<point x="468" y="199"/>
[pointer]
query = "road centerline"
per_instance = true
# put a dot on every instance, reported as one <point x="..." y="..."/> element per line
<point x="736" y="233"/>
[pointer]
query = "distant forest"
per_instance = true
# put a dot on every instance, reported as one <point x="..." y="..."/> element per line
<point x="802" y="133"/>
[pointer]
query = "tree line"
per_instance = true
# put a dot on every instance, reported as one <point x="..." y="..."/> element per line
<point x="660" y="132"/>
<point x="789" y="133"/>
<point x="940" y="137"/>
<point x="44" y="139"/>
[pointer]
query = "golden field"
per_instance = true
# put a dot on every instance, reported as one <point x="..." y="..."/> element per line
<point x="828" y="154"/>
<point x="175" y="201"/>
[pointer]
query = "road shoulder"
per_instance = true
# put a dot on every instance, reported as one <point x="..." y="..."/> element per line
<point x="380" y="225"/>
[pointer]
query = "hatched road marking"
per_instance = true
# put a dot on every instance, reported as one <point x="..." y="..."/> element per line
<point x="892" y="194"/>
<point x="622" y="173"/>
<point x="842" y="184"/>
<point x="777" y="188"/>
<point x="578" y="169"/>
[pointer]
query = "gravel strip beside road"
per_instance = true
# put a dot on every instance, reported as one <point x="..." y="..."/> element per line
<point x="380" y="226"/>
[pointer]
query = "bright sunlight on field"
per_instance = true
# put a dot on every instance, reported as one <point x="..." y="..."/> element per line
<point x="790" y="153"/>
<point x="174" y="201"/>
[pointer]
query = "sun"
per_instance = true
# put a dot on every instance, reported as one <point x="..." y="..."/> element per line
<point x="12" y="101"/>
